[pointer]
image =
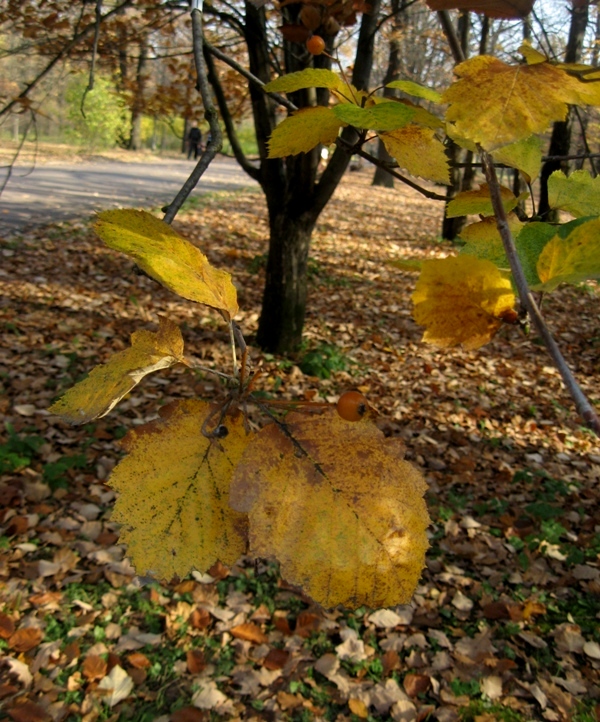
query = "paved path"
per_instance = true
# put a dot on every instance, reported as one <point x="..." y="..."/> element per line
<point x="59" y="191"/>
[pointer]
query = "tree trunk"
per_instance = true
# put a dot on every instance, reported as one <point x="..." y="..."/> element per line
<point x="137" y="109"/>
<point x="560" y="142"/>
<point x="294" y="197"/>
<point x="284" y="299"/>
<point x="381" y="176"/>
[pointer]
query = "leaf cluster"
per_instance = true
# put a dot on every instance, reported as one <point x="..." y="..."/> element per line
<point x="202" y="485"/>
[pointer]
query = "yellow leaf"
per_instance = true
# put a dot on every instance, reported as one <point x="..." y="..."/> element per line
<point x="579" y="194"/>
<point x="341" y="540"/>
<point x="572" y="256"/>
<point x="173" y="487"/>
<point x="307" y="78"/>
<point x="358" y="707"/>
<point x="496" y="104"/>
<point x="304" y="130"/>
<point x="461" y="301"/>
<point x="479" y="202"/>
<point x="106" y="385"/>
<point x="167" y="257"/>
<point x="419" y="151"/>
<point x="416" y="90"/>
<point x="525" y="155"/>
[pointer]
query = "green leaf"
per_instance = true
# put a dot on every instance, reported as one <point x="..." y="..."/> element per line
<point x="167" y="257"/>
<point x="530" y="243"/>
<point x="483" y="241"/>
<point x="303" y="131"/>
<point x="579" y="194"/>
<point x="572" y="255"/>
<point x="383" y="116"/>
<point x="308" y="78"/>
<point x="525" y="155"/>
<point x="416" y="90"/>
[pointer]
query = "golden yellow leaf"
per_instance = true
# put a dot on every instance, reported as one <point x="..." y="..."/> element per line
<point x="496" y="104"/>
<point x="483" y="239"/>
<point x="339" y="508"/>
<point x="173" y="489"/>
<point x="461" y="301"/>
<point x="106" y="385"/>
<point x="167" y="257"/>
<point x="304" y="130"/>
<point x="525" y="155"/>
<point x="419" y="151"/>
<point x="479" y="202"/>
<point x="572" y="256"/>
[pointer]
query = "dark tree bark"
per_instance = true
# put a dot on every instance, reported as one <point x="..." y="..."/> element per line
<point x="451" y="227"/>
<point x="560" y="142"/>
<point x="381" y="176"/>
<point x="295" y="196"/>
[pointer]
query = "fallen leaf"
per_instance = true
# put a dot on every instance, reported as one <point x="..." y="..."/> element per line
<point x="250" y="632"/>
<point x="25" y="639"/>
<point x="94" y="667"/>
<point x="118" y="685"/>
<point x="28" y="711"/>
<point x="195" y="661"/>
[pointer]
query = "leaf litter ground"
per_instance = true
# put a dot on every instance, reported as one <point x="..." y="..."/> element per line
<point x="505" y="621"/>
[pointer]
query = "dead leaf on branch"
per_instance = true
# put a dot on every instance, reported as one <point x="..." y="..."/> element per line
<point x="167" y="257"/>
<point x="309" y="507"/>
<point x="106" y="385"/>
<point x="174" y="487"/>
<point x="461" y="301"/>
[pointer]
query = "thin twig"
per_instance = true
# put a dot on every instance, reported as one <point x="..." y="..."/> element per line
<point x="350" y="148"/>
<point x="249" y="76"/>
<point x="584" y="408"/>
<point x="210" y="113"/>
<point x="90" y="85"/>
<point x="451" y="36"/>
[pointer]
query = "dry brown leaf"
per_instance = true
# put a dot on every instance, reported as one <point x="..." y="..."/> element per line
<point x="250" y="632"/>
<point x="28" y="712"/>
<point x="94" y="667"/>
<point x="188" y="714"/>
<point x="358" y="707"/>
<point x="195" y="661"/>
<point x="139" y="660"/>
<point x="276" y="659"/>
<point x="7" y="626"/>
<point x="25" y="639"/>
<point x="414" y="684"/>
<point x="199" y="618"/>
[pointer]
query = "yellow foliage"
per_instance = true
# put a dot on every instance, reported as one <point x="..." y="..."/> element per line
<point x="525" y="155"/>
<point x="571" y="257"/>
<point x="479" y="202"/>
<point x="304" y="130"/>
<point x="339" y="508"/>
<point x="461" y="301"/>
<point x="106" y="385"/>
<point x="419" y="151"/>
<point x="167" y="257"/>
<point x="496" y="104"/>
<point x="173" y="488"/>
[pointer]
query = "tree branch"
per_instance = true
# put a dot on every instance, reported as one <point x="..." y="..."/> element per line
<point x="451" y="36"/>
<point x="238" y="153"/>
<point x="249" y="76"/>
<point x="210" y="113"/>
<point x="65" y="50"/>
<point x="584" y="408"/>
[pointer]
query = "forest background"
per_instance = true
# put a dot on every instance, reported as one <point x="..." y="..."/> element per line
<point x="504" y="623"/>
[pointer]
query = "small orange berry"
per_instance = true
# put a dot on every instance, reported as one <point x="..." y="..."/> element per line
<point x="352" y="406"/>
<point x="315" y="45"/>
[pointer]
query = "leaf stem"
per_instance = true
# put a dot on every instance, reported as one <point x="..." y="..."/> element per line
<point x="584" y="408"/>
<point x="210" y="113"/>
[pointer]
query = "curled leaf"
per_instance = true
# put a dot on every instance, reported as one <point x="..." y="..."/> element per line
<point x="106" y="385"/>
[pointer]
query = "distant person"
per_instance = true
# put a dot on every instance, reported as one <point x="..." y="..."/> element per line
<point x="194" y="141"/>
